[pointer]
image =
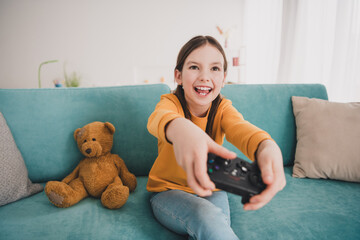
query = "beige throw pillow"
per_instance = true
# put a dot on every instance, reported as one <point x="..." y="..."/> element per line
<point x="328" y="139"/>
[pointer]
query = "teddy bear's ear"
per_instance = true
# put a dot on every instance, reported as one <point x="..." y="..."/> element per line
<point x="76" y="133"/>
<point x="110" y="127"/>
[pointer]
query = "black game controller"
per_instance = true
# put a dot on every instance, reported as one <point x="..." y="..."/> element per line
<point x="236" y="176"/>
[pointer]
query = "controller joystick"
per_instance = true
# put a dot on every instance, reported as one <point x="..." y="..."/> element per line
<point x="235" y="176"/>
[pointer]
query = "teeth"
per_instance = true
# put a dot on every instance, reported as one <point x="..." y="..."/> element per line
<point x="204" y="88"/>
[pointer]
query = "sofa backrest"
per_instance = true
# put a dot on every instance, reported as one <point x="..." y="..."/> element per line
<point x="42" y="121"/>
<point x="269" y="107"/>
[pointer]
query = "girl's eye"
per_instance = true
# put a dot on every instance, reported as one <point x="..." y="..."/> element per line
<point x="193" y="67"/>
<point x="215" y="68"/>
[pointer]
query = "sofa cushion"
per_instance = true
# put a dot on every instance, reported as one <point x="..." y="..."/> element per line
<point x="14" y="181"/>
<point x="268" y="106"/>
<point x="328" y="135"/>
<point x="305" y="209"/>
<point x="88" y="219"/>
<point x="49" y="117"/>
<point x="297" y="212"/>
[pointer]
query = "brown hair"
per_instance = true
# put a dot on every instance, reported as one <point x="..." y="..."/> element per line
<point x="185" y="51"/>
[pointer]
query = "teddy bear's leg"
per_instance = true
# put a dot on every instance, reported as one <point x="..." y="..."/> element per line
<point x="64" y="195"/>
<point x="129" y="180"/>
<point x="115" y="195"/>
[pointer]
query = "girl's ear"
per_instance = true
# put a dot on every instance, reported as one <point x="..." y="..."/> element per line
<point x="177" y="75"/>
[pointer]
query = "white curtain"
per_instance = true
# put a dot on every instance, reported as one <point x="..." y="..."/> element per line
<point x="304" y="41"/>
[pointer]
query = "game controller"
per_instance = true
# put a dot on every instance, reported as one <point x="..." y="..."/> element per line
<point x="235" y="176"/>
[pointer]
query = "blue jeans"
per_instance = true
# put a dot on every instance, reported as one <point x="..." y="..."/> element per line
<point x="187" y="214"/>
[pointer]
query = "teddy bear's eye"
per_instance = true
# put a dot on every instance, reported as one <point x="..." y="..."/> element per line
<point x="85" y="140"/>
<point x="94" y="139"/>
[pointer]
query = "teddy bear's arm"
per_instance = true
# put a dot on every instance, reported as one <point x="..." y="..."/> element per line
<point x="72" y="175"/>
<point x="127" y="177"/>
<point x="120" y="165"/>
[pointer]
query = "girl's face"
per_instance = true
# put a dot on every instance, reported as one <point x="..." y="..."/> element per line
<point x="202" y="78"/>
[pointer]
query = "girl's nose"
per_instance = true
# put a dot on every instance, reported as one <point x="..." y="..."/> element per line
<point x="205" y="76"/>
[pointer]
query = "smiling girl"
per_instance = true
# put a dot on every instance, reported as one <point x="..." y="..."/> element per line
<point x="190" y="123"/>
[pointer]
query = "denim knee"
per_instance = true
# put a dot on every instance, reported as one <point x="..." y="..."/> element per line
<point x="166" y="216"/>
<point x="185" y="213"/>
<point x="210" y="223"/>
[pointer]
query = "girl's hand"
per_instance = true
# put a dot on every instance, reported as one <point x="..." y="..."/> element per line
<point x="191" y="147"/>
<point x="270" y="162"/>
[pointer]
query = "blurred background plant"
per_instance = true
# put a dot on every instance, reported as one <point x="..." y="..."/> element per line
<point x="72" y="80"/>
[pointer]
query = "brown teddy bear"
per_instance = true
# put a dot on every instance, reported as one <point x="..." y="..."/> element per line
<point x="100" y="174"/>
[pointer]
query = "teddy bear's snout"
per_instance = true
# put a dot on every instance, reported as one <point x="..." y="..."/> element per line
<point x="91" y="149"/>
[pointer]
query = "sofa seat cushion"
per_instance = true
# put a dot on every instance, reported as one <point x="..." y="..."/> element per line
<point x="305" y="209"/>
<point x="36" y="218"/>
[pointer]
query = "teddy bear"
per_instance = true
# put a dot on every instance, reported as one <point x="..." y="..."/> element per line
<point x="100" y="174"/>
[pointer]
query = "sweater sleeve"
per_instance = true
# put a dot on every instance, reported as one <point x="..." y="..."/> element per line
<point x="165" y="111"/>
<point x="240" y="132"/>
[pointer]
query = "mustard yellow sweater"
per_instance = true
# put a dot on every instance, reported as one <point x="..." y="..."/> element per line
<point x="165" y="173"/>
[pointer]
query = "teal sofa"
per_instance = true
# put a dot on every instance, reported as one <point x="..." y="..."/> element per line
<point x="42" y="122"/>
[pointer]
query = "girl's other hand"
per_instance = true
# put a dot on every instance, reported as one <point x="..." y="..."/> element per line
<point x="191" y="147"/>
<point x="271" y="166"/>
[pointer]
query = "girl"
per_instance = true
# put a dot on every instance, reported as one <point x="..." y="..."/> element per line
<point x="191" y="122"/>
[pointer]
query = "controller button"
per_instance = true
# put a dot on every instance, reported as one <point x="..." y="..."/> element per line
<point x="210" y="170"/>
<point x="211" y="161"/>
<point x="234" y="172"/>
<point x="244" y="169"/>
<point x="217" y="168"/>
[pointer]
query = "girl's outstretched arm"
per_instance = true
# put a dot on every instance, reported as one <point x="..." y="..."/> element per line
<point x="191" y="147"/>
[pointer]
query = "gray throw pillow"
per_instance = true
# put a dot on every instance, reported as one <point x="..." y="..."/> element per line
<point x="14" y="181"/>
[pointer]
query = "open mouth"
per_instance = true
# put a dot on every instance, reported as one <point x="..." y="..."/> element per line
<point x="203" y="91"/>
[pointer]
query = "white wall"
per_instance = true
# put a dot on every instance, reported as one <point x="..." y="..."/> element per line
<point x="108" y="42"/>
